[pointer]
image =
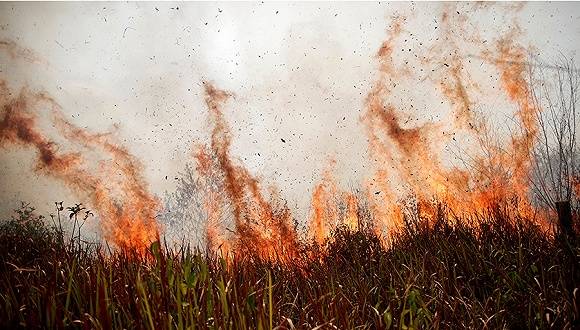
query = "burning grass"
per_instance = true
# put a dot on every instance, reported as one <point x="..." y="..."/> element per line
<point x="507" y="274"/>
<point x="386" y="257"/>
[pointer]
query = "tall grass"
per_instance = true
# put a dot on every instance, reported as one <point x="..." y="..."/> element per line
<point x="507" y="274"/>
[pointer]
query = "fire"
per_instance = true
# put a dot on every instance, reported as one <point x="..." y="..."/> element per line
<point x="215" y="205"/>
<point x="116" y="189"/>
<point x="331" y="208"/>
<point x="410" y="168"/>
<point x="410" y="177"/>
<point x="409" y="157"/>
<point x="351" y="219"/>
<point x="262" y="227"/>
<point x="324" y="210"/>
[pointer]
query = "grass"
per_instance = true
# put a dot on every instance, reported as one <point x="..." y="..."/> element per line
<point x="506" y="274"/>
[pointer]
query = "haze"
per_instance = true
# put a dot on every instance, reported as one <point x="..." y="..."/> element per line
<point x="300" y="73"/>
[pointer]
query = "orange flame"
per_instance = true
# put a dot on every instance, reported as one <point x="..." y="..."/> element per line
<point x="117" y="190"/>
<point x="410" y="175"/>
<point x="324" y="210"/>
<point x="261" y="227"/>
<point x="409" y="157"/>
<point x="351" y="219"/>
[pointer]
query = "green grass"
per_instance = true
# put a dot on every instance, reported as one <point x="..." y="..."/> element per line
<point x="508" y="274"/>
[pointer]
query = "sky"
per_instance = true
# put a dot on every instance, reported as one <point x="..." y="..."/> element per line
<point x="299" y="73"/>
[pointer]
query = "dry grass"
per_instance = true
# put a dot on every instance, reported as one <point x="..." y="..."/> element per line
<point x="510" y="275"/>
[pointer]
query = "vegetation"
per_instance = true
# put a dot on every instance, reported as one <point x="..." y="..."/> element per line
<point x="506" y="274"/>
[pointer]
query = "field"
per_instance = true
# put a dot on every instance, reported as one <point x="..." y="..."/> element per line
<point x="506" y="273"/>
<point x="290" y="166"/>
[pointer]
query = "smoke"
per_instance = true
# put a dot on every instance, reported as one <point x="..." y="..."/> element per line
<point x="16" y="52"/>
<point x="387" y="111"/>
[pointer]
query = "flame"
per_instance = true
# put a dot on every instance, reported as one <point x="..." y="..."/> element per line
<point x="409" y="157"/>
<point x="332" y="207"/>
<point x="453" y="78"/>
<point x="117" y="190"/>
<point x="351" y="219"/>
<point x="214" y="204"/>
<point x="262" y="227"/>
<point x="324" y="210"/>
<point x="410" y="178"/>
